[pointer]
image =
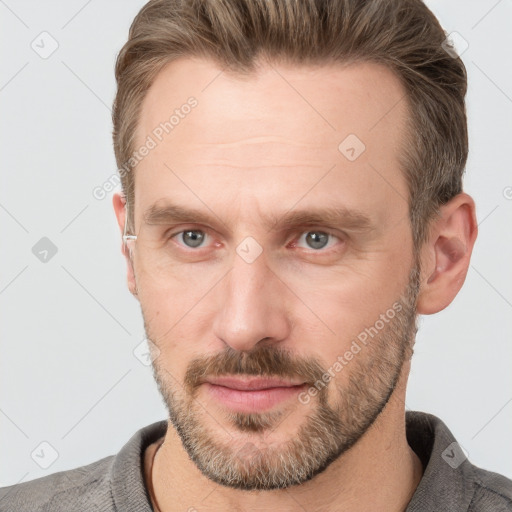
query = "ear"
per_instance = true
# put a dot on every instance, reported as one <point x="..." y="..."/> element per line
<point x="446" y="255"/>
<point x="119" y="203"/>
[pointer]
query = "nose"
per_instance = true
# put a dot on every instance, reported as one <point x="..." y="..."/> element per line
<point x="252" y="306"/>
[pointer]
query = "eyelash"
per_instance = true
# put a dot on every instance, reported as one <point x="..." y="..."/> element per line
<point x="311" y="230"/>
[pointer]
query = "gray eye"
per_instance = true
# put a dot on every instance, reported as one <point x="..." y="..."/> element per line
<point x="317" y="239"/>
<point x="192" y="238"/>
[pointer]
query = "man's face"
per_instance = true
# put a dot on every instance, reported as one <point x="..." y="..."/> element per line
<point x="329" y="301"/>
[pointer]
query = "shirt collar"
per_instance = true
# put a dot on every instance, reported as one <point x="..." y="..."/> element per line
<point x="447" y="482"/>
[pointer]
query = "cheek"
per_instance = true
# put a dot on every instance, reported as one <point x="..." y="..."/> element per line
<point x="162" y="312"/>
<point x="171" y="295"/>
<point x="349" y="298"/>
<point x="177" y="322"/>
<point x="330" y="315"/>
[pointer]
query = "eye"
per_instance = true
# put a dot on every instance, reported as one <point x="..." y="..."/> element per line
<point x="317" y="239"/>
<point x="191" y="238"/>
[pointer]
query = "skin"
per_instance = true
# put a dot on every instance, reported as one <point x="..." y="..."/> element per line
<point x="255" y="147"/>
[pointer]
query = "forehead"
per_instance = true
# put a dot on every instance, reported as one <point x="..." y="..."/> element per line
<point x="274" y="132"/>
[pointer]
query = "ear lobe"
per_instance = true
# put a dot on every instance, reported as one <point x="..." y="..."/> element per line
<point x="448" y="252"/>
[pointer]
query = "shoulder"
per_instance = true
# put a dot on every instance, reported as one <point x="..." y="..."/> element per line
<point x="492" y="491"/>
<point x="450" y="480"/>
<point x="86" y="486"/>
<point x="113" y="483"/>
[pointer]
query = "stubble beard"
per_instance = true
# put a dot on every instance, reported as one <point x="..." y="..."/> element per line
<point x="254" y="462"/>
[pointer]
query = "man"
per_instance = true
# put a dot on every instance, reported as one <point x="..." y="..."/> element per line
<point x="292" y="200"/>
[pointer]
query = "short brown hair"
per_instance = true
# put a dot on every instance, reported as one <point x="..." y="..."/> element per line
<point x="403" y="35"/>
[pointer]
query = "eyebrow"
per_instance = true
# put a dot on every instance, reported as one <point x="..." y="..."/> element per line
<point x="352" y="220"/>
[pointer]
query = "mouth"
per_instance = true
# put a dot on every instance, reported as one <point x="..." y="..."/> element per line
<point x="253" y="394"/>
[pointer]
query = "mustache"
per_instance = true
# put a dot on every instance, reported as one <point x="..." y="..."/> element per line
<point x="261" y="361"/>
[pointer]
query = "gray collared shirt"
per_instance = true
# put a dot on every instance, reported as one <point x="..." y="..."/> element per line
<point x="116" y="484"/>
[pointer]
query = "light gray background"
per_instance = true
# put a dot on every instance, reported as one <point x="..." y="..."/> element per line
<point x="69" y="326"/>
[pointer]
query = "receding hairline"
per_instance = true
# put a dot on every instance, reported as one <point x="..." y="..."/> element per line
<point x="269" y="64"/>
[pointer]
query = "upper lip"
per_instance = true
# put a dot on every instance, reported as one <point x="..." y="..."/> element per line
<point x="253" y="383"/>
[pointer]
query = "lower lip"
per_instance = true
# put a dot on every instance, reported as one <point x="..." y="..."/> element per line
<point x="255" y="400"/>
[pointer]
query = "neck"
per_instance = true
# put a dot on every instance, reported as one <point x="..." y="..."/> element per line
<point x="380" y="472"/>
